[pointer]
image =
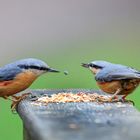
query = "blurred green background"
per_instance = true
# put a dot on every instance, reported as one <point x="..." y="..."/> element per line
<point x="65" y="34"/>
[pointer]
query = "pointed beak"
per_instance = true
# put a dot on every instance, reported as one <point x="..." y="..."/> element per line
<point x="52" y="70"/>
<point x="85" y="65"/>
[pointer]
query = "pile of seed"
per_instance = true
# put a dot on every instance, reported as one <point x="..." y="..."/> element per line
<point x="73" y="97"/>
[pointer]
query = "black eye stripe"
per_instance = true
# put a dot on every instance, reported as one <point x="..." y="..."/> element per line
<point x="32" y="67"/>
<point x="91" y="65"/>
<point x="95" y="66"/>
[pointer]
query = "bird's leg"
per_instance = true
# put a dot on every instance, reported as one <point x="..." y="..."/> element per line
<point x="16" y="99"/>
<point x="123" y="99"/>
<point x="20" y="97"/>
<point x="114" y="95"/>
<point x="8" y="98"/>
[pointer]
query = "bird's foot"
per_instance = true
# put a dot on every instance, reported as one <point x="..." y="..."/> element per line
<point x="126" y="101"/>
<point x="16" y="100"/>
<point x="115" y="96"/>
<point x="120" y="99"/>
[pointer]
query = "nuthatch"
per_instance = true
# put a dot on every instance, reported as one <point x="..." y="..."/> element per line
<point x="114" y="79"/>
<point x="18" y="76"/>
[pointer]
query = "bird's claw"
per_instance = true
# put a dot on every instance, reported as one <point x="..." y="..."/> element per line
<point x="126" y="101"/>
<point x="16" y="100"/>
<point x="116" y="99"/>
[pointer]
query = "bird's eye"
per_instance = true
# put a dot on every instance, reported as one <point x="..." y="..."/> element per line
<point x="91" y="65"/>
<point x="95" y="66"/>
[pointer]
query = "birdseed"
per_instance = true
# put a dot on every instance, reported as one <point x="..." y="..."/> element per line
<point x="72" y="97"/>
<point x="66" y="72"/>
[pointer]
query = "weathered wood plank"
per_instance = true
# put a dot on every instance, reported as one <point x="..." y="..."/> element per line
<point x="79" y="121"/>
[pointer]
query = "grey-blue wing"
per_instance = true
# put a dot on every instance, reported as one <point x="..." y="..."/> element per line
<point x="7" y="74"/>
<point x="120" y="73"/>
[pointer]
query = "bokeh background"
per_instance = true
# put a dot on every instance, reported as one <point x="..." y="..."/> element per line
<point x="65" y="33"/>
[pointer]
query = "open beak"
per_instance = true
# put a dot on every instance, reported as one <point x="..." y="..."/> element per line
<point x="52" y="70"/>
<point x="85" y="65"/>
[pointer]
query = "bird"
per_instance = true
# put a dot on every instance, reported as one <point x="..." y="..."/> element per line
<point x="115" y="79"/>
<point x="19" y="75"/>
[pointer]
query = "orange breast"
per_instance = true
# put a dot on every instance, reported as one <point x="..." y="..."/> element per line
<point x="126" y="86"/>
<point x="109" y="87"/>
<point x="20" y="83"/>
